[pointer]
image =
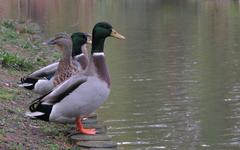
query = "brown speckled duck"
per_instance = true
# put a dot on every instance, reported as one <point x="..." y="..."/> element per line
<point x="80" y="95"/>
<point x="45" y="79"/>
<point x="67" y="67"/>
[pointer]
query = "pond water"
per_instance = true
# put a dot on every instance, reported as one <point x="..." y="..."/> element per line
<point x="175" y="80"/>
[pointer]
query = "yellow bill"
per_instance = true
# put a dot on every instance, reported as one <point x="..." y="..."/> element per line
<point x="115" y="34"/>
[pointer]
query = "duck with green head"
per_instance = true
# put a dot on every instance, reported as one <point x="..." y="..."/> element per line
<point x="80" y="95"/>
<point x="41" y="81"/>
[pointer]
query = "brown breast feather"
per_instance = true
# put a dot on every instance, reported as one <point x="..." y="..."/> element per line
<point x="64" y="72"/>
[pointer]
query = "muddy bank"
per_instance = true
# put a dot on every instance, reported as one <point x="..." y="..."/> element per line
<point x="21" y="52"/>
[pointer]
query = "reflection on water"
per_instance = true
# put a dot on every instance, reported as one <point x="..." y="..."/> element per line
<point x="176" y="77"/>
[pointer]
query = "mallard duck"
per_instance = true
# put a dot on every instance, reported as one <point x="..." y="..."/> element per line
<point x="80" y="95"/>
<point x="41" y="81"/>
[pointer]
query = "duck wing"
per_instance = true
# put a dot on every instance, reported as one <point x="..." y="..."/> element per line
<point x="64" y="89"/>
<point x="45" y="71"/>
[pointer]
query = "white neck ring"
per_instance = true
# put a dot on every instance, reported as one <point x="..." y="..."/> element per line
<point x="81" y="54"/>
<point x="98" y="54"/>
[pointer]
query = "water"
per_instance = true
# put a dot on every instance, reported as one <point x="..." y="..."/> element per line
<point x="175" y="80"/>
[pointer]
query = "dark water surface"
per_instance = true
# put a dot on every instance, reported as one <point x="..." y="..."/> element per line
<point x="175" y="80"/>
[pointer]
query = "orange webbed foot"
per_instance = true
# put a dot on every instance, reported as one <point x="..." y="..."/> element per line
<point x="88" y="131"/>
<point x="83" y="130"/>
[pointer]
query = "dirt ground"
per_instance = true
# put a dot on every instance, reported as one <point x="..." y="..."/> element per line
<point x="20" y="132"/>
<point x="16" y="130"/>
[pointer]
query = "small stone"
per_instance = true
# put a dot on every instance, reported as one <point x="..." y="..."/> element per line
<point x="101" y="131"/>
<point x="90" y="121"/>
<point x="96" y="126"/>
<point x="7" y="84"/>
<point x="92" y="116"/>
<point x="81" y="148"/>
<point x="97" y="144"/>
<point x="80" y="137"/>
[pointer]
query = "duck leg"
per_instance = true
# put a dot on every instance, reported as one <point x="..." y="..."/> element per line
<point x="83" y="130"/>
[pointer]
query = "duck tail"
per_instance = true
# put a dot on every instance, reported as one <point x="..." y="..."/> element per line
<point x="39" y="110"/>
<point x="28" y="82"/>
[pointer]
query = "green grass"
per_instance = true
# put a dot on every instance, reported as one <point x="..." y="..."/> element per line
<point x="13" y="61"/>
<point x="22" y="51"/>
<point x="12" y="41"/>
<point x="9" y="34"/>
<point x="8" y="24"/>
<point x="2" y="132"/>
<point x="48" y="129"/>
<point x="23" y="43"/>
<point x="7" y="94"/>
<point x="30" y="28"/>
<point x="53" y="146"/>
